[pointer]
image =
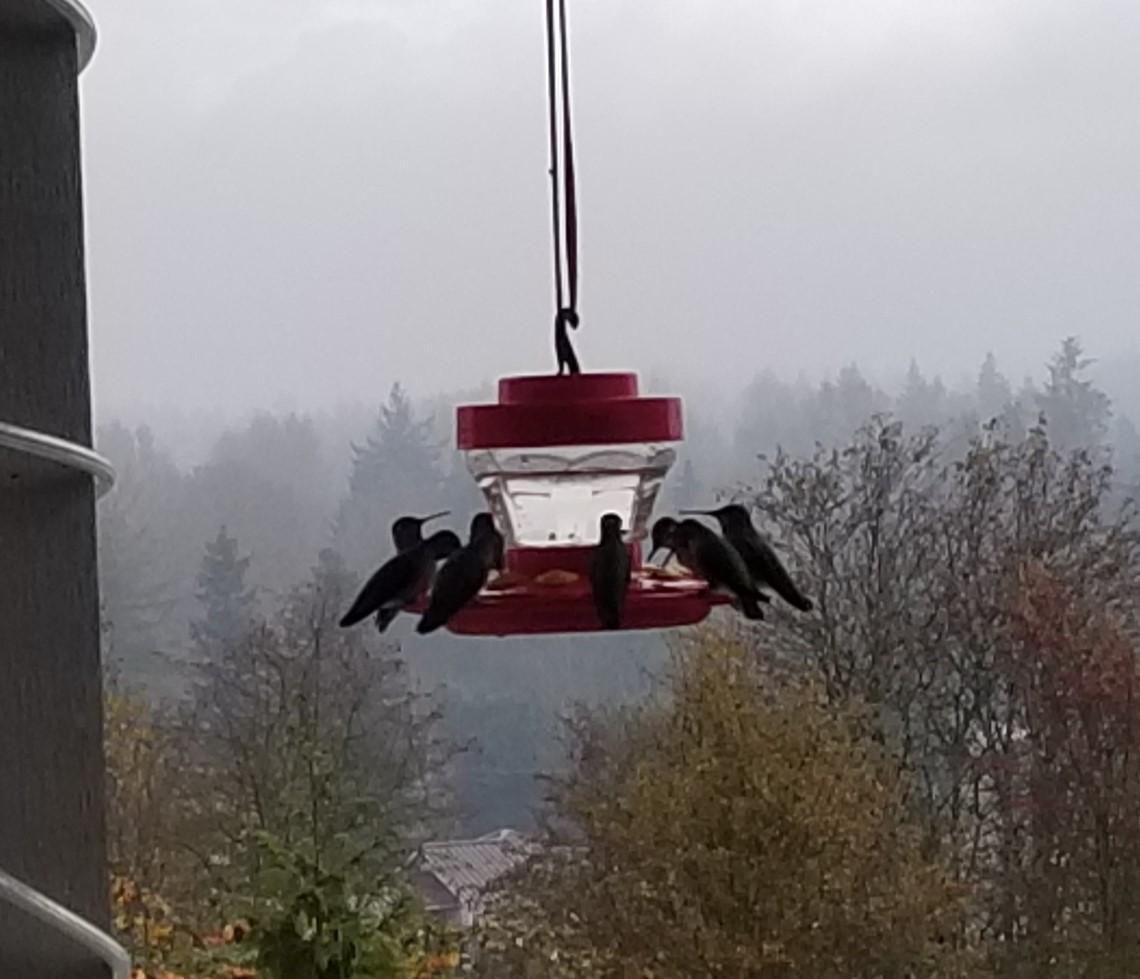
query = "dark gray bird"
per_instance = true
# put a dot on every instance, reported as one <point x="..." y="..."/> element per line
<point x="484" y="524"/>
<point x="400" y="581"/>
<point x="463" y="575"/>
<point x="610" y="571"/>
<point x="407" y="532"/>
<point x="710" y="556"/>
<point x="761" y="560"/>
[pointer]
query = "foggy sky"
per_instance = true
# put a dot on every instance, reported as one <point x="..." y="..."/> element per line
<point x="296" y="202"/>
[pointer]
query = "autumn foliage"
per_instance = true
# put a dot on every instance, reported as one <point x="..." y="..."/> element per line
<point x="735" y="826"/>
<point x="935" y="775"/>
<point x="1072" y="787"/>
<point x="260" y="826"/>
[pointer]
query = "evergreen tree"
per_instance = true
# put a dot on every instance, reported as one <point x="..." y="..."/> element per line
<point x="1076" y="411"/>
<point x="994" y="394"/>
<point x="842" y="405"/>
<point x="688" y="489"/>
<point x="771" y="416"/>
<point x="143" y="567"/>
<point x="225" y="600"/>
<point x="396" y="471"/>
<point x="922" y="402"/>
<point x="1126" y="454"/>
<point x="269" y="474"/>
<point x="855" y="396"/>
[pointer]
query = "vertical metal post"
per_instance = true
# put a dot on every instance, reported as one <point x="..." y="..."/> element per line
<point x="52" y="833"/>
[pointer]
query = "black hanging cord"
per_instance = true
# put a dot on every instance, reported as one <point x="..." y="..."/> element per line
<point x="566" y="315"/>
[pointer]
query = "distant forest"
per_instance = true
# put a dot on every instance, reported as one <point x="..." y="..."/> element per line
<point x="189" y="555"/>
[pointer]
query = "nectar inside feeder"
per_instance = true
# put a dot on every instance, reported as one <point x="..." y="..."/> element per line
<point x="553" y="456"/>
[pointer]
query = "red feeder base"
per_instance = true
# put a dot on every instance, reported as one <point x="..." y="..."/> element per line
<point x="538" y="609"/>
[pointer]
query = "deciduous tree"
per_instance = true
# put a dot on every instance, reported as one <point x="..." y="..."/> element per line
<point x="737" y="825"/>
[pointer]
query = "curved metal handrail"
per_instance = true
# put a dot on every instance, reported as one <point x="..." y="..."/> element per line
<point x="81" y="21"/>
<point x="66" y="922"/>
<point x="60" y="451"/>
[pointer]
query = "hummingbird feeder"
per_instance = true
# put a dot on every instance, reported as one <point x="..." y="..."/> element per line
<point x="552" y="456"/>
<point x="558" y="452"/>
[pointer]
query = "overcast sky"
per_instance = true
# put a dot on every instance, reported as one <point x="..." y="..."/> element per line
<point x="297" y="202"/>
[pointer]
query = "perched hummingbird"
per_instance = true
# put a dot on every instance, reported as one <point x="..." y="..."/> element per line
<point x="610" y="573"/>
<point x="710" y="556"/>
<point x="407" y="532"/>
<point x="483" y="524"/>
<point x="463" y="575"/>
<point x="763" y="565"/>
<point x="400" y="581"/>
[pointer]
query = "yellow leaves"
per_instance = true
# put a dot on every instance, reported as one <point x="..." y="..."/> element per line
<point x="124" y="891"/>
<point x="235" y="932"/>
<point x="230" y="934"/>
<point x="737" y="826"/>
<point x="440" y="963"/>
<point x="140" y="914"/>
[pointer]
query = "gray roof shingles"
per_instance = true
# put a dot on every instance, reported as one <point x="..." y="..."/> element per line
<point x="466" y="866"/>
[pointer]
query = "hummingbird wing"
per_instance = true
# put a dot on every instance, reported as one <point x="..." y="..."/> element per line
<point x="767" y="570"/>
<point x="386" y="616"/>
<point x="610" y="573"/>
<point x="398" y="582"/>
<point x="722" y="566"/>
<point x="457" y="583"/>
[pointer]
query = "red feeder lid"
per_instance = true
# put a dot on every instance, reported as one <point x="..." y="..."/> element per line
<point x="581" y="409"/>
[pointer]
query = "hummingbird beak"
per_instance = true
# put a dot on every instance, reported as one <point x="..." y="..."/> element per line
<point x="434" y="516"/>
<point x="698" y="513"/>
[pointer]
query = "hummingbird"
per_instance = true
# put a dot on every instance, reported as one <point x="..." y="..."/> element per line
<point x="710" y="556"/>
<point x="400" y="581"/>
<point x="407" y="532"/>
<point x="610" y="573"/>
<point x="484" y="524"/>
<point x="763" y="565"/>
<point x="463" y="574"/>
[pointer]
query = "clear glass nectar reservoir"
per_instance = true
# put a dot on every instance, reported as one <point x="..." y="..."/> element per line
<point x="556" y="497"/>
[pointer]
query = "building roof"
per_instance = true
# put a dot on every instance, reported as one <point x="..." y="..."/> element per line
<point x="470" y="866"/>
<point x="433" y="894"/>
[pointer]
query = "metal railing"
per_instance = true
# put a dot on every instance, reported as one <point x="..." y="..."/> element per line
<point x="82" y="23"/>
<point x="60" y="451"/>
<point x="12" y="891"/>
<point x="66" y="923"/>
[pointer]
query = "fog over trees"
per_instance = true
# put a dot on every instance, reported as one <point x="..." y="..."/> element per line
<point x="934" y="773"/>
<point x="192" y="553"/>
